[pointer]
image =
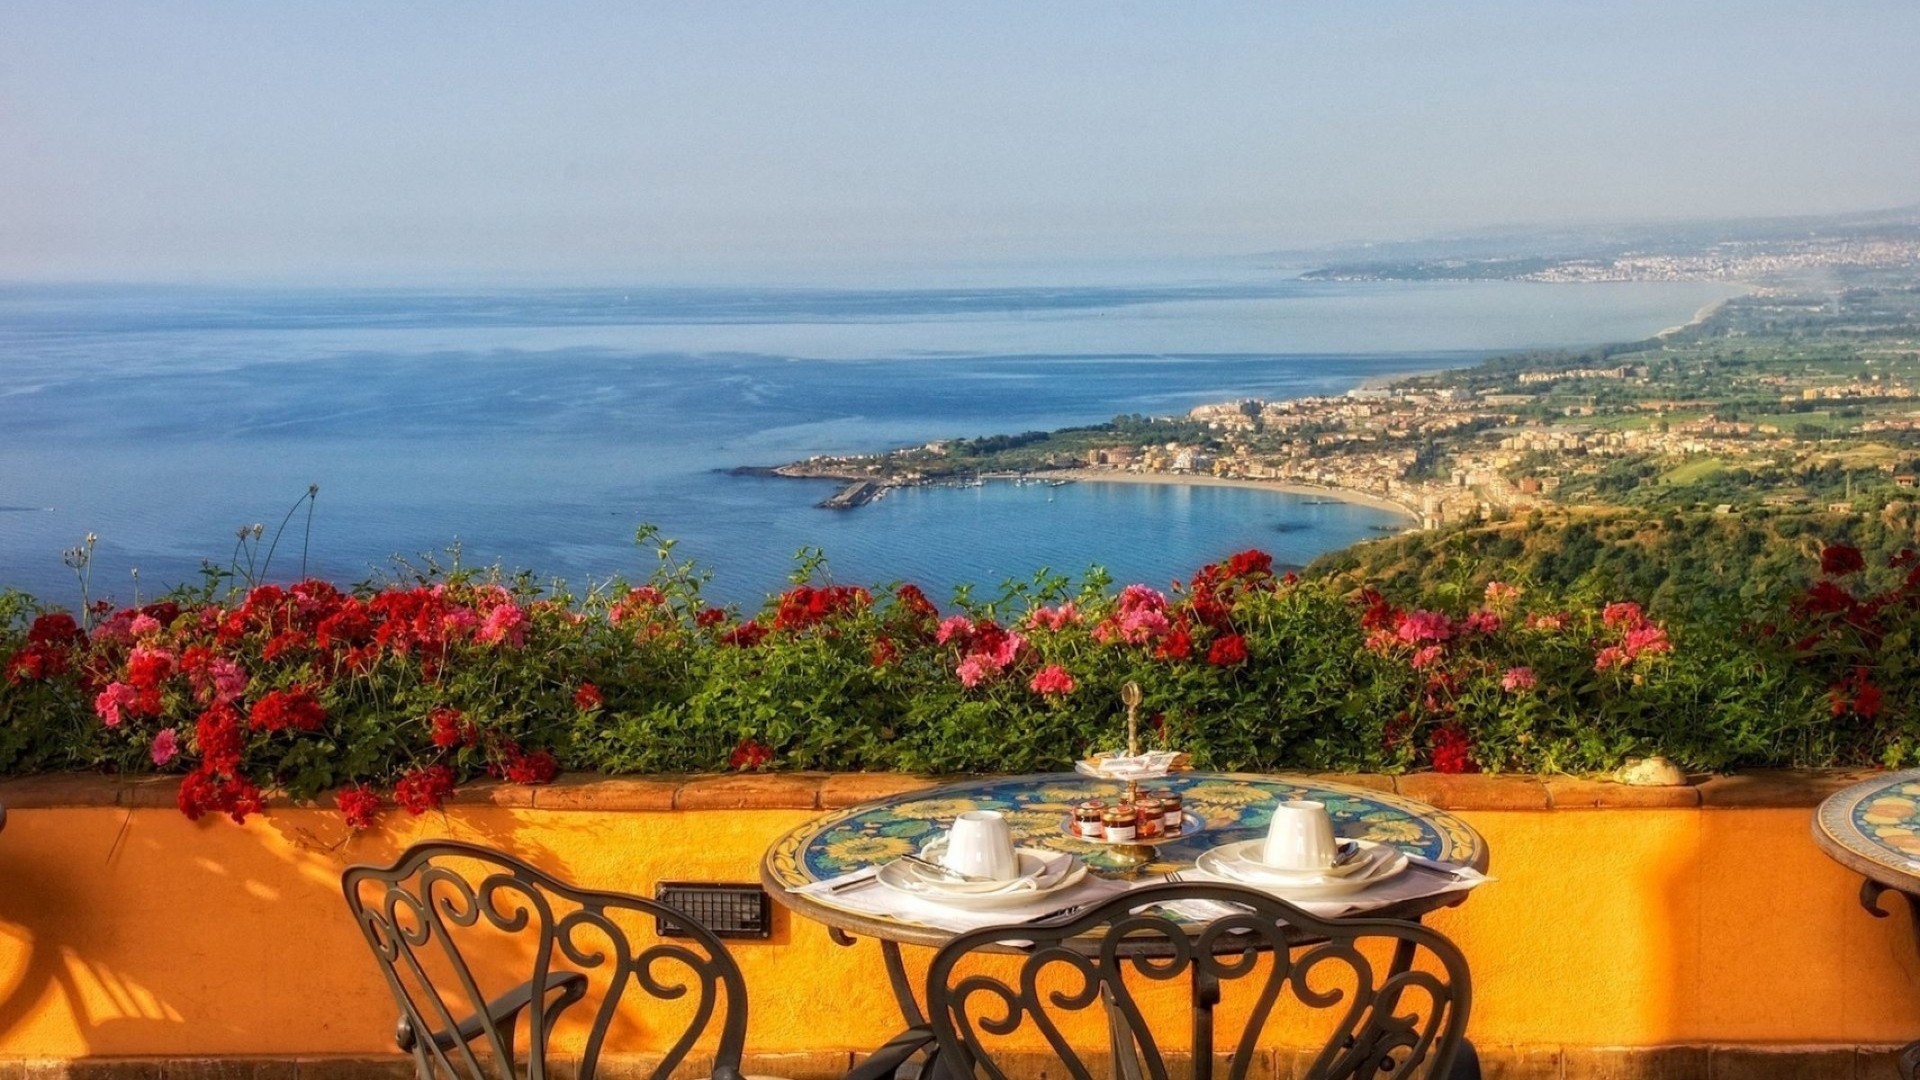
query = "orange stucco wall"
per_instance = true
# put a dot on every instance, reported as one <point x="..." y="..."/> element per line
<point x="135" y="932"/>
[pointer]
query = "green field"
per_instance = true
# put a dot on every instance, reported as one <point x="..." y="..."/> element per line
<point x="1693" y="471"/>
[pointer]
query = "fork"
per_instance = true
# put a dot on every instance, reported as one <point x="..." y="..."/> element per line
<point x="1174" y="878"/>
<point x="1058" y="913"/>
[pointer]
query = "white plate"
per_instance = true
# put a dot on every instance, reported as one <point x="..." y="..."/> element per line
<point x="904" y="877"/>
<point x="1240" y="862"/>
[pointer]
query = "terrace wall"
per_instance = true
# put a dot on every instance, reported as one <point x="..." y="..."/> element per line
<point x="1632" y="932"/>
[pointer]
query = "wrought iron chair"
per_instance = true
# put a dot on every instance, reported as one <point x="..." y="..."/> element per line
<point x="1392" y="997"/>
<point x="449" y="919"/>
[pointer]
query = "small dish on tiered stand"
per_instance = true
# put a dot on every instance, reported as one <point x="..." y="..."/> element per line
<point x="1131" y="845"/>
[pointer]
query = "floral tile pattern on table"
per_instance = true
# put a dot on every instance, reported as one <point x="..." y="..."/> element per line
<point x="1234" y="807"/>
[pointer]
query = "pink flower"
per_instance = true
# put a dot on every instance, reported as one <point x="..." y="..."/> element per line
<point x="1547" y="622"/>
<point x="505" y="624"/>
<point x="1006" y="651"/>
<point x="229" y="680"/>
<point x="1418" y="626"/>
<point x="1426" y="657"/>
<point x="974" y="670"/>
<point x="1381" y="641"/>
<point x="1483" y="622"/>
<point x="1059" y="618"/>
<point x="1500" y="593"/>
<point x="459" y="622"/>
<point x="1052" y="681"/>
<point x="1646" y="639"/>
<point x="1612" y="656"/>
<point x="1517" y="679"/>
<point x="954" y="626"/>
<point x="144" y="626"/>
<point x="1625" y="613"/>
<point x="1141" y="598"/>
<point x="109" y="702"/>
<point x="165" y="745"/>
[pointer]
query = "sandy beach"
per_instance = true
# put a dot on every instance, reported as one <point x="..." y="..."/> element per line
<point x="1106" y="476"/>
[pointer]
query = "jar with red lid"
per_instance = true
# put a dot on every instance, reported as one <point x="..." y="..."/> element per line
<point x="1122" y="823"/>
<point x="1088" y="820"/>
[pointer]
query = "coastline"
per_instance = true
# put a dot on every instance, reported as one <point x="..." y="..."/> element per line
<point x="1707" y="312"/>
<point x="1282" y="487"/>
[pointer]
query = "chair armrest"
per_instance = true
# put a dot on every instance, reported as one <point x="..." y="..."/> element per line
<point x="503" y="1011"/>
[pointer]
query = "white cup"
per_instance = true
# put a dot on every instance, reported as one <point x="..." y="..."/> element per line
<point x="980" y="844"/>
<point x="1301" y="837"/>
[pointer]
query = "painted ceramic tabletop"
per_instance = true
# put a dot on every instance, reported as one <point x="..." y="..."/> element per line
<point x="1234" y="806"/>
<point x="1874" y="827"/>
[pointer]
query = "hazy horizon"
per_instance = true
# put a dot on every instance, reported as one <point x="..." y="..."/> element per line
<point x="221" y="142"/>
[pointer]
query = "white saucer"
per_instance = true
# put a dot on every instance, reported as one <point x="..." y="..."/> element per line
<point x="1035" y="880"/>
<point x="1241" y="862"/>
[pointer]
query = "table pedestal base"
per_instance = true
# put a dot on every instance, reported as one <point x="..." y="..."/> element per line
<point x="1870" y="893"/>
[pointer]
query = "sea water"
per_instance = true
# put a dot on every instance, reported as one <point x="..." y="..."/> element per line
<point x="539" y="428"/>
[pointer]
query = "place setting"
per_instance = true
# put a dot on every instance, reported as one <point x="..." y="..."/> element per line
<point x="973" y="875"/>
<point x="1302" y="861"/>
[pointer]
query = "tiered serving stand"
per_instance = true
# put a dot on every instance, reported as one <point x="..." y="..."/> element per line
<point x="1131" y="769"/>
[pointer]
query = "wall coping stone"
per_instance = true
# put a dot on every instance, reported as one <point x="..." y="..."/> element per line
<point x="1759" y="789"/>
<point x="1676" y="1062"/>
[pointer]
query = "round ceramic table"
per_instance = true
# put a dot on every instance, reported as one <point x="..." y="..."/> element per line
<point x="1873" y="829"/>
<point x="1233" y="807"/>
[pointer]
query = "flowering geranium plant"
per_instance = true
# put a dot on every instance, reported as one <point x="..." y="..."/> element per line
<point x="393" y="694"/>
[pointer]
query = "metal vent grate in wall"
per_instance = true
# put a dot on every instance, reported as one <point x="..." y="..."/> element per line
<point x="729" y="910"/>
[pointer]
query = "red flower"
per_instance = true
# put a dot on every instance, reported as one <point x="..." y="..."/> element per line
<point x="348" y="626"/>
<point x="538" y="767"/>
<point x="637" y="604"/>
<point x="37" y="662"/>
<point x="148" y="668"/>
<point x="1249" y="563"/>
<point x="1856" y="692"/>
<point x="280" y="709"/>
<point x="1379" y="614"/>
<point x="1052" y="681"/>
<point x="1227" y="651"/>
<point x="55" y="628"/>
<point x="1625" y="613"/>
<point x="1826" y="598"/>
<point x="1177" y="646"/>
<point x="203" y="791"/>
<point x="1840" y="559"/>
<point x="744" y="636"/>
<point x="424" y="789"/>
<point x="750" y="754"/>
<point x="360" y="804"/>
<point x="217" y="733"/>
<point x="807" y="606"/>
<point x="283" y="643"/>
<point x="451" y="729"/>
<point x="915" y="602"/>
<point x="712" y="616"/>
<point x="587" y="697"/>
<point x="885" y="652"/>
<point x="1452" y="751"/>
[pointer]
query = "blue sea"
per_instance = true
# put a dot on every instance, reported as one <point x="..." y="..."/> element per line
<point x="539" y="428"/>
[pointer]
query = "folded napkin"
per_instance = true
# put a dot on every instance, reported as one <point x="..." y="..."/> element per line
<point x="1122" y="766"/>
<point x="877" y="899"/>
<point x="1424" y="878"/>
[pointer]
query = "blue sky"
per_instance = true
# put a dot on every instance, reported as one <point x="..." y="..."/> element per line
<point x="654" y="142"/>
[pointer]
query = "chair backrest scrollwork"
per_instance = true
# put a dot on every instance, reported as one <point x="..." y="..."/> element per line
<point x="473" y="941"/>
<point x="1381" y="997"/>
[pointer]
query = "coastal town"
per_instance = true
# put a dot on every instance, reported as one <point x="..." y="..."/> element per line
<point x="1729" y="412"/>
